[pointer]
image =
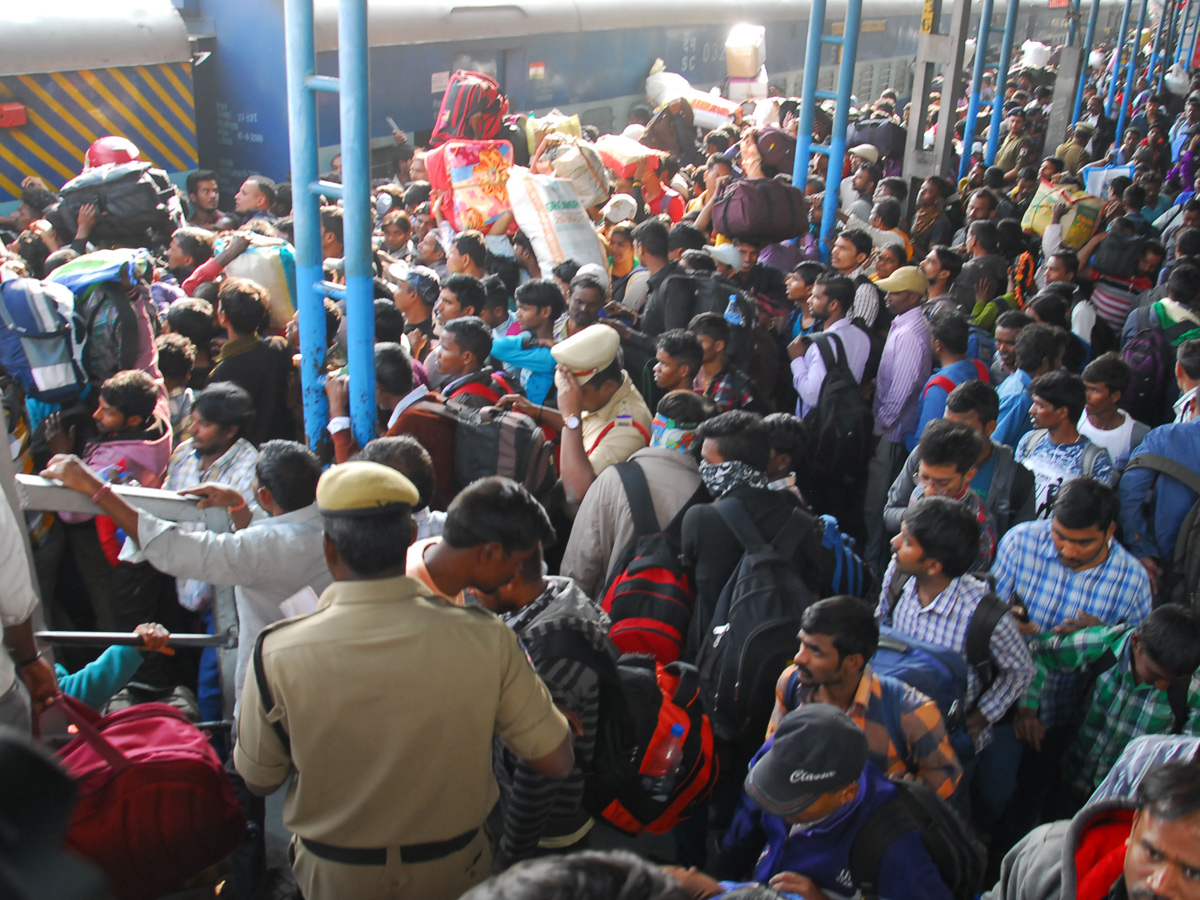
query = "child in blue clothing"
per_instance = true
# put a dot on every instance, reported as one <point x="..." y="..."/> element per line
<point x="96" y="682"/>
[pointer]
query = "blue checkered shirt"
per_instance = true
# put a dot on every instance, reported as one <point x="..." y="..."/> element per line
<point x="1116" y="592"/>
<point x="944" y="622"/>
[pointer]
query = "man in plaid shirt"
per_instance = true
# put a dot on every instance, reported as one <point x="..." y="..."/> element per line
<point x="718" y="380"/>
<point x="1143" y="684"/>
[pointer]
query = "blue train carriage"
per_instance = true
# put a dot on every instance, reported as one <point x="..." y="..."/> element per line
<point x="71" y="72"/>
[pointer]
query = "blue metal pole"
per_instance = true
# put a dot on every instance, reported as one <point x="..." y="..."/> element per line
<point x="841" y="119"/>
<point x="1159" y="32"/>
<point x="1006" y="49"/>
<point x="1131" y="74"/>
<point x="981" y="45"/>
<point x="356" y="216"/>
<point x="1122" y="37"/>
<point x="808" y="94"/>
<point x="1073" y="23"/>
<point x="1186" y="22"/>
<point x="302" y="129"/>
<point x="1088" y="42"/>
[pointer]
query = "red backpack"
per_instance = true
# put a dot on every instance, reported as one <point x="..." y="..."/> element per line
<point x="155" y="806"/>
<point x="649" y="597"/>
<point x="468" y="94"/>
<point x="947" y="384"/>
<point x="641" y="701"/>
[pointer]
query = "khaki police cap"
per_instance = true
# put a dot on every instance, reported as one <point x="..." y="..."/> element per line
<point x="906" y="278"/>
<point x="363" y="489"/>
<point x="588" y="352"/>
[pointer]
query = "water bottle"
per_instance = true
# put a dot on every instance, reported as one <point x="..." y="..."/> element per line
<point x="733" y="314"/>
<point x="662" y="768"/>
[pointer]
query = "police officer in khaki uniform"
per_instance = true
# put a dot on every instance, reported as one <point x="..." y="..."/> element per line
<point x="383" y="704"/>
<point x="604" y="418"/>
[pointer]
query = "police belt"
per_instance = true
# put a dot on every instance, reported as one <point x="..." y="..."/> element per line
<point x="377" y="856"/>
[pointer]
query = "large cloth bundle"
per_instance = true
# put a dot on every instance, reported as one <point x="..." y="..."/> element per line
<point x="472" y="108"/>
<point x="272" y="263"/>
<point x="1079" y="222"/>
<point x="137" y="202"/>
<point x="549" y="211"/>
<point x="473" y="176"/>
<point x="709" y="110"/>
<point x="577" y="161"/>
<point x="627" y="158"/>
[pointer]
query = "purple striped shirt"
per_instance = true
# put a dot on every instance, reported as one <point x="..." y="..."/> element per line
<point x="903" y="370"/>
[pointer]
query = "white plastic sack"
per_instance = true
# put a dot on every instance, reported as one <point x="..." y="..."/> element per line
<point x="1035" y="54"/>
<point x="1099" y="179"/>
<point x="272" y="263"/>
<point x="548" y="210"/>
<point x="577" y="161"/>
<point x="1177" y="81"/>
<point x="709" y="111"/>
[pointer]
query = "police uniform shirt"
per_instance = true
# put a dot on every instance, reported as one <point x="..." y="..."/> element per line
<point x="390" y="698"/>
<point x="623" y="409"/>
<point x="1015" y="151"/>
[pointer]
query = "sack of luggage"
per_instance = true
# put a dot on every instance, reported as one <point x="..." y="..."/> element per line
<point x="673" y="129"/>
<point x="1151" y="354"/>
<point x="472" y="176"/>
<point x="649" y="597"/>
<point x="625" y="157"/>
<point x="473" y="109"/>
<point x="939" y="672"/>
<point x="138" y="204"/>
<point x="576" y="160"/>
<point x="752" y="636"/>
<point x="1182" y="584"/>
<point x="40" y="346"/>
<point x="760" y="209"/>
<point x="777" y="149"/>
<point x="640" y="702"/>
<point x="960" y="858"/>
<point x="155" y="805"/>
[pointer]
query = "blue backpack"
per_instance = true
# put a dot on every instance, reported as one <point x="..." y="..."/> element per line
<point x="39" y="340"/>
<point x="850" y="576"/>
<point x="939" y="672"/>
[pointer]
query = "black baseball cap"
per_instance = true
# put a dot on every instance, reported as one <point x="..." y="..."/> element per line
<point x="817" y="749"/>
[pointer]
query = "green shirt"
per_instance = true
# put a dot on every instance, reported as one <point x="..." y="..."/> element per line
<point x="1120" y="709"/>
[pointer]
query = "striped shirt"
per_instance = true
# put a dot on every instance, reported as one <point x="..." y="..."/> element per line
<point x="904" y="368"/>
<point x="1139" y="757"/>
<point x="927" y="753"/>
<point x="1120" y="708"/>
<point x="945" y="621"/>
<point x="1028" y="571"/>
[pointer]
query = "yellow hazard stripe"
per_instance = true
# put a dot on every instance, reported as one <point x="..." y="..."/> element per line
<point x="169" y="74"/>
<point x="167" y="99"/>
<point x="38" y="121"/>
<point x="98" y="86"/>
<point x="12" y="189"/>
<point x="58" y="109"/>
<point x="17" y="163"/>
<point x="149" y="109"/>
<point x="40" y="153"/>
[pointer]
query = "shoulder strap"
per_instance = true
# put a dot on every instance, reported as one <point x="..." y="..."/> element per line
<point x="1166" y="466"/>
<point x="793" y="532"/>
<point x="882" y="827"/>
<point x="741" y="524"/>
<point x="827" y="357"/>
<point x="264" y="692"/>
<point x="1087" y="459"/>
<point x="637" y="492"/>
<point x="982" y="371"/>
<point x="1177" y="696"/>
<point x="941" y="381"/>
<point x="891" y="695"/>
<point x="476" y="389"/>
<point x="987" y="616"/>
<point x="567" y="643"/>
<point x="700" y="495"/>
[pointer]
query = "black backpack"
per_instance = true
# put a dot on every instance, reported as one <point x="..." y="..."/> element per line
<point x="839" y="428"/>
<point x="649" y="595"/>
<point x="960" y="858"/>
<point x="1183" y="584"/>
<point x="137" y="202"/>
<point x="639" y="702"/>
<point x="1151" y="355"/>
<point x="752" y="636"/>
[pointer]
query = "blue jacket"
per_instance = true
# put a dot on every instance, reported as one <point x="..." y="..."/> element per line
<point x="96" y="682"/>
<point x="823" y="853"/>
<point x="537" y="365"/>
<point x="1171" y="499"/>
<point x="1015" y="400"/>
<point x="933" y="397"/>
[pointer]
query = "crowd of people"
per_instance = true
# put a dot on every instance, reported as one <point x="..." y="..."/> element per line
<point x="969" y="448"/>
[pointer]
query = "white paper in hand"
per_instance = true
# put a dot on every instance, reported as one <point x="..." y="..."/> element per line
<point x="301" y="603"/>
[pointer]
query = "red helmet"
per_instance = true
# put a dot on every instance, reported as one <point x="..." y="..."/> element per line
<point x="110" y="149"/>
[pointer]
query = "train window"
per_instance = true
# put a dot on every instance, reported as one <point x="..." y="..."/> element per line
<point x="600" y="116"/>
<point x="488" y="63"/>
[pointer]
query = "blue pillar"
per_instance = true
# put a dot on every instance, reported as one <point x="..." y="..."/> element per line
<point x="1122" y="37"/>
<point x="302" y="126"/>
<point x="808" y="93"/>
<point x="1073" y="23"/>
<point x="1088" y="42"/>
<point x="1130" y="75"/>
<point x="356" y="199"/>
<point x="1006" y="48"/>
<point x="981" y="45"/>
<point x="1185" y="21"/>
<point x="1164" y="20"/>
<point x="841" y="119"/>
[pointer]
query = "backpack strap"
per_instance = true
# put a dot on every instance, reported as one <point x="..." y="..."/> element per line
<point x="264" y="692"/>
<point x="883" y="826"/>
<point x="568" y="643"/>
<point x="891" y="695"/>
<point x="939" y="381"/>
<point x="1167" y="466"/>
<point x="741" y="524"/>
<point x="1177" y="696"/>
<point x="981" y="369"/>
<point x="987" y="616"/>
<point x="613" y="424"/>
<point x="637" y="492"/>
<point x="831" y="362"/>
<point x="1089" y="457"/>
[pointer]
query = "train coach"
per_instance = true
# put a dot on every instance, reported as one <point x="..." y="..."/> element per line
<point x="201" y="82"/>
